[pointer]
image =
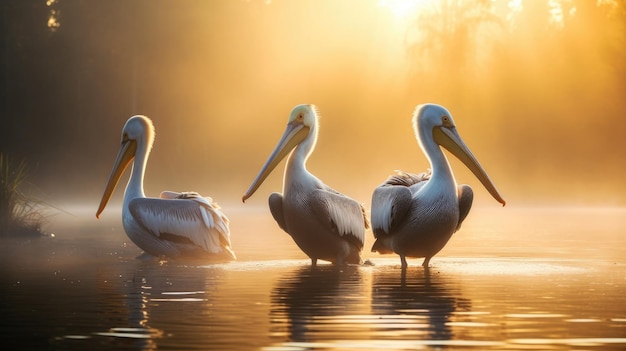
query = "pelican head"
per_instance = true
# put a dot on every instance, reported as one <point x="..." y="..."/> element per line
<point x="434" y="122"/>
<point x="137" y="138"/>
<point x="301" y="125"/>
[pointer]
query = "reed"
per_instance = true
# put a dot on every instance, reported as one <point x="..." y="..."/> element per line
<point x="19" y="213"/>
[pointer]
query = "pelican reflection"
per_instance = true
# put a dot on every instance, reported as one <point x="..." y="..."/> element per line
<point x="137" y="292"/>
<point x="309" y="299"/>
<point x="424" y="303"/>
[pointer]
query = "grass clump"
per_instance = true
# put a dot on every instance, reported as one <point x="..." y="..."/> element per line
<point x="19" y="213"/>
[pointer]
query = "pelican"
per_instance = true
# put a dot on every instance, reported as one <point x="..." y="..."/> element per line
<point x="414" y="215"/>
<point x="324" y="223"/>
<point x="174" y="225"/>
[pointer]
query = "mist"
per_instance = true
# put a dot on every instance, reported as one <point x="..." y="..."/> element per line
<point x="536" y="89"/>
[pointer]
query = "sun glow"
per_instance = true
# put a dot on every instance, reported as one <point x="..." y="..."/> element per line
<point x="401" y="9"/>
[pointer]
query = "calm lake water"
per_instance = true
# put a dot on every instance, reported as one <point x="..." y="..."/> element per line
<point x="511" y="279"/>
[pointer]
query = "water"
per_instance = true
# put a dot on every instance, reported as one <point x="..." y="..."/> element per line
<point x="511" y="279"/>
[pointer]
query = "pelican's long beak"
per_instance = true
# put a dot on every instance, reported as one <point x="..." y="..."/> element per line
<point x="451" y="140"/>
<point x="124" y="158"/>
<point x="294" y="134"/>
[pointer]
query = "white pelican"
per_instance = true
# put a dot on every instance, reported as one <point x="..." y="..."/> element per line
<point x="324" y="223"/>
<point x="174" y="225"/>
<point x="415" y="215"/>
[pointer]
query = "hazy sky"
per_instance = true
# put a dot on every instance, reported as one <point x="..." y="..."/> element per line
<point x="536" y="89"/>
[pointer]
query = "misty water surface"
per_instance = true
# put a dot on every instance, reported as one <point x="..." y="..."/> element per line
<point x="512" y="278"/>
<point x="536" y="89"/>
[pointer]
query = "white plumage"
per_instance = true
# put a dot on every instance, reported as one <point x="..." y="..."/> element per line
<point x="324" y="223"/>
<point x="174" y="225"/>
<point x="414" y="215"/>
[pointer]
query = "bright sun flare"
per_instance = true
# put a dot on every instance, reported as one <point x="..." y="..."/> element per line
<point x="401" y="9"/>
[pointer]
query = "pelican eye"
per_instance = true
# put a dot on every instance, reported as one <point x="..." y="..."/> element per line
<point x="445" y="120"/>
<point x="300" y="116"/>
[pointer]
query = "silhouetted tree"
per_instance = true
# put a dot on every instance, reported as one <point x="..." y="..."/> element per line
<point x="451" y="43"/>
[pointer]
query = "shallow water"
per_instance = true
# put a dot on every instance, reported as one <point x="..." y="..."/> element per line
<point x="511" y="279"/>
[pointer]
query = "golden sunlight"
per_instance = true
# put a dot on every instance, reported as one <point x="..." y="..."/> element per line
<point x="402" y="9"/>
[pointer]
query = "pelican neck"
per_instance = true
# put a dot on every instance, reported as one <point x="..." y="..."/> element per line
<point x="296" y="162"/>
<point x="134" y="188"/>
<point x="439" y="165"/>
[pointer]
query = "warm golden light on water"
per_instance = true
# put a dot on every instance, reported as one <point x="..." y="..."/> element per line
<point x="508" y="280"/>
<point x="536" y="89"/>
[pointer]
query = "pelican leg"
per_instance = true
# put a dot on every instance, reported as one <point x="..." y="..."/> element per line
<point x="313" y="262"/>
<point x="403" y="278"/>
<point x="426" y="262"/>
<point x="403" y="261"/>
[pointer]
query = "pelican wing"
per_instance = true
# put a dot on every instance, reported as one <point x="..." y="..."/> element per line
<point x="390" y="204"/>
<point x="392" y="200"/>
<point x="217" y="218"/>
<point x="194" y="218"/>
<point x="341" y="214"/>
<point x="466" y="197"/>
<point x="276" y="208"/>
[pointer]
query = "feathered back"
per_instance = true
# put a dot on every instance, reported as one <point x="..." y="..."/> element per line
<point x="407" y="179"/>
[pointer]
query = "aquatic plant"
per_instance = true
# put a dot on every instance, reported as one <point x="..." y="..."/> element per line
<point x="19" y="213"/>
